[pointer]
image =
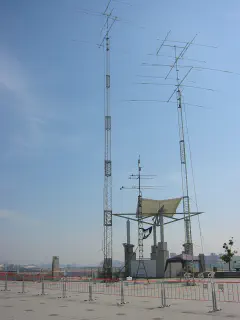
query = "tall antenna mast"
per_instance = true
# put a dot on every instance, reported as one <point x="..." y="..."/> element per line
<point x="107" y="223"/>
<point x="188" y="245"/>
<point x="140" y="220"/>
<point x="141" y="265"/>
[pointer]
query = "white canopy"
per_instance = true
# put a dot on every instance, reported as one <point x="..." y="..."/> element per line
<point x="167" y="207"/>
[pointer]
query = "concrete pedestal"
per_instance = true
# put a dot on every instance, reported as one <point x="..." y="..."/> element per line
<point x="129" y="256"/>
<point x="162" y="256"/>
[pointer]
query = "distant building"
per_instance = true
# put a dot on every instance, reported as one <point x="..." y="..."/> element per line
<point x="55" y="266"/>
<point x="31" y="269"/>
<point x="214" y="261"/>
<point x="172" y="255"/>
<point x="10" y="267"/>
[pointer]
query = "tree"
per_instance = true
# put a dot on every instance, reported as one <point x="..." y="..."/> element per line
<point x="229" y="252"/>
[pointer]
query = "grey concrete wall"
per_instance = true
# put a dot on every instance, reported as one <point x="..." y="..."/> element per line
<point x="173" y="270"/>
<point x="150" y="266"/>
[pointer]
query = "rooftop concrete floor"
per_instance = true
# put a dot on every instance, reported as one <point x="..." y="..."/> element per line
<point x="32" y="306"/>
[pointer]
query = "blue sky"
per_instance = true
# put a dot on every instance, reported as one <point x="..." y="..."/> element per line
<point x="52" y="129"/>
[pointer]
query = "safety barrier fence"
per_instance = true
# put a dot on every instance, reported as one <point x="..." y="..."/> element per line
<point x="35" y="277"/>
<point x="190" y="289"/>
<point x="197" y="290"/>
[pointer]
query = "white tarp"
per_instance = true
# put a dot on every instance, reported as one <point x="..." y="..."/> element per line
<point x="168" y="207"/>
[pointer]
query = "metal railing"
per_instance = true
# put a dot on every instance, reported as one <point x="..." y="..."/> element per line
<point x="187" y="289"/>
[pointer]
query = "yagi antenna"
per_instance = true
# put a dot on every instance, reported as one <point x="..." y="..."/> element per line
<point x="185" y="58"/>
<point x="196" y="68"/>
<point x="176" y="85"/>
<point x="187" y="46"/>
<point x="142" y="187"/>
<point x="180" y="84"/>
<point x="184" y="43"/>
<point x="165" y="101"/>
<point x="108" y="30"/>
<point x="195" y="44"/>
<point x="111" y="17"/>
<point x="159" y="77"/>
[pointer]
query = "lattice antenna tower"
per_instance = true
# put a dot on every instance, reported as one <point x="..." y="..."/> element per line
<point x="107" y="197"/>
<point x="139" y="177"/>
<point x="107" y="213"/>
<point x="188" y="245"/>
